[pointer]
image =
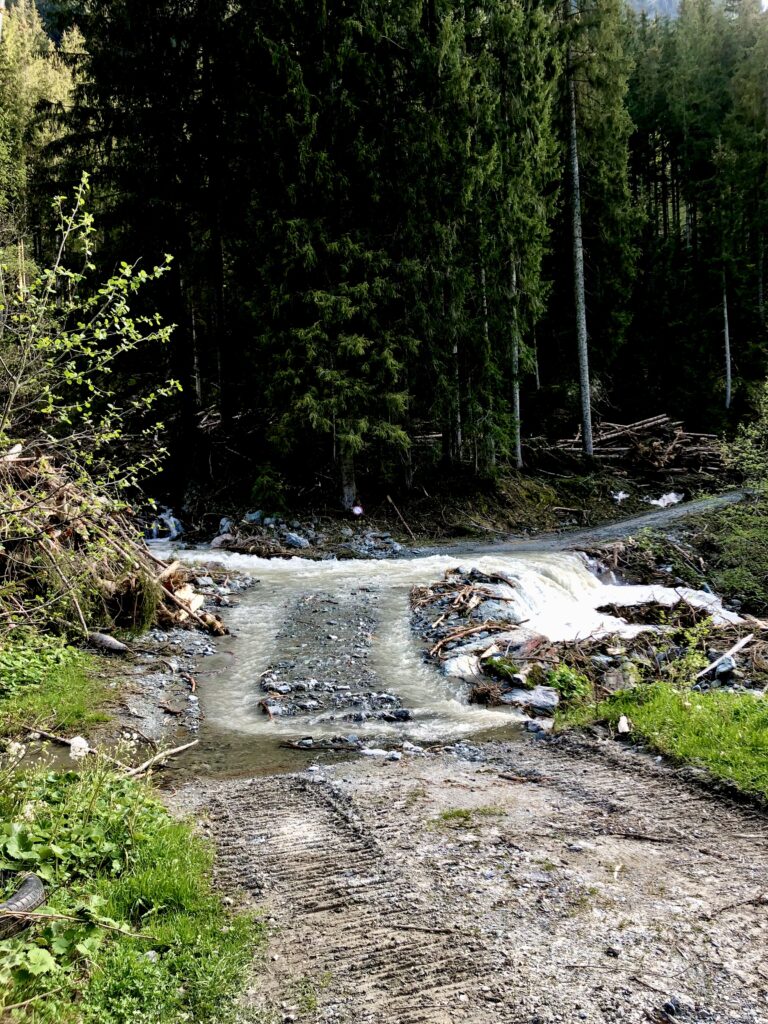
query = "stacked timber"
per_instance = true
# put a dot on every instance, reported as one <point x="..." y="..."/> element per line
<point x="657" y="443"/>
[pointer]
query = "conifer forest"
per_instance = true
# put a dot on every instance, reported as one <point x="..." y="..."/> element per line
<point x="406" y="237"/>
<point x="383" y="511"/>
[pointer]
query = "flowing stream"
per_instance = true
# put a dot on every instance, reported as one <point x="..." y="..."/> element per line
<point x="557" y="595"/>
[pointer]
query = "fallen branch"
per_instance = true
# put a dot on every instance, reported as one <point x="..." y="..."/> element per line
<point x="734" y="650"/>
<point x="493" y="627"/>
<point x="760" y="900"/>
<point x="402" y="520"/>
<point x="159" y="757"/>
<point x="32" y="999"/>
<point x="64" y="742"/>
<point x="32" y="915"/>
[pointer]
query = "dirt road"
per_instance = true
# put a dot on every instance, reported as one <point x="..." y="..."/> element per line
<point x="525" y="882"/>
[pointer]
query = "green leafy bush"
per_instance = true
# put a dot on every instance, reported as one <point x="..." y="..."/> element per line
<point x="45" y="683"/>
<point x="30" y="659"/>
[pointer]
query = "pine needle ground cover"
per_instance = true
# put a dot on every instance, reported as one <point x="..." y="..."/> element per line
<point x="132" y="930"/>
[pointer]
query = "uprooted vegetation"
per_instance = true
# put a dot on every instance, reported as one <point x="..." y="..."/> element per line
<point x="71" y="559"/>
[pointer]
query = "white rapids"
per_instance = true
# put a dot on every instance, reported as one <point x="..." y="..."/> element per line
<point x="556" y="595"/>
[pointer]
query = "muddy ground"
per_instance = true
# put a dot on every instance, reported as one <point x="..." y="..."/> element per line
<point x="526" y="882"/>
<point x="529" y="882"/>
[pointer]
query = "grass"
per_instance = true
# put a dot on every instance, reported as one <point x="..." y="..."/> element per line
<point x="726" y="733"/>
<point x="150" y="941"/>
<point x="463" y="817"/>
<point x="46" y="683"/>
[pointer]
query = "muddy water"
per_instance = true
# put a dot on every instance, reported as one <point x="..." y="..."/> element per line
<point x="557" y="595"/>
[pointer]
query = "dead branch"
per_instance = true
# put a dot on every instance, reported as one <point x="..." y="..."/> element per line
<point x="160" y="757"/>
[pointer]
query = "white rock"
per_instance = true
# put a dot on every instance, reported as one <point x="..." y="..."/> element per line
<point x="466" y="665"/>
<point x="412" y="748"/>
<point x="624" y="727"/>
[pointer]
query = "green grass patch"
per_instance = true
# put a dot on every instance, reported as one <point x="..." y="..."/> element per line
<point x="146" y="939"/>
<point x="726" y="733"/>
<point x="570" y="684"/>
<point x="46" y="683"/>
<point x="464" y="817"/>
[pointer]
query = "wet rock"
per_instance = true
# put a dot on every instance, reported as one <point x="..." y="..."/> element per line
<point x="294" y="540"/>
<point x="222" y="540"/>
<point x="411" y="748"/>
<point x="602" y="660"/>
<point x="624" y="677"/>
<point x="464" y="666"/>
<point x="541" y="699"/>
<point x="726" y="668"/>
<point x="498" y="611"/>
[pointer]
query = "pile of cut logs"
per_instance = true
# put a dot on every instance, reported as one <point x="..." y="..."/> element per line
<point x="657" y="443"/>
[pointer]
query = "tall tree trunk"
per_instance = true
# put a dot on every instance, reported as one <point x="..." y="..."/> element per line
<point x="348" y="482"/>
<point x="456" y="427"/>
<point x="578" y="266"/>
<point x="455" y="438"/>
<point x="761" y="278"/>
<point x="727" y="344"/>
<point x="187" y="300"/>
<point x="488" y="444"/>
<point x="516" y="373"/>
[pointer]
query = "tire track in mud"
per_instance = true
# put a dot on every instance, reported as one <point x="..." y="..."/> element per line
<point x="344" y="909"/>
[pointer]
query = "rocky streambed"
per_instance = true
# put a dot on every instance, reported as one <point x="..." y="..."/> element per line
<point x="484" y="628"/>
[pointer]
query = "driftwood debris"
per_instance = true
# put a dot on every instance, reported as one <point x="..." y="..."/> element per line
<point x="92" y="751"/>
<point x="733" y="650"/>
<point x="657" y="443"/>
<point x="162" y="756"/>
<point x="75" y="557"/>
